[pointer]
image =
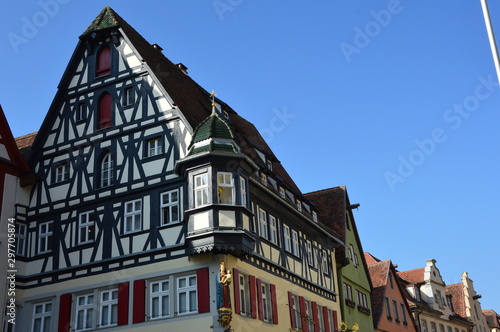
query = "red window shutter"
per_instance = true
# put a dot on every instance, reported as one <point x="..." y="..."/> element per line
<point x="260" y="302"/>
<point x="237" y="299"/>
<point x="292" y="311"/>
<point x="315" y="316"/>
<point x="123" y="290"/>
<point x="253" y="309"/>
<point x="325" y="319"/>
<point x="274" y="304"/>
<point x="65" y="313"/>
<point x="203" y="290"/>
<point x="335" y="322"/>
<point x="303" y="312"/>
<point x="104" y="61"/>
<point x="105" y="110"/>
<point x="139" y="314"/>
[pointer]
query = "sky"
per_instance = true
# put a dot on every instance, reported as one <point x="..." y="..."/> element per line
<point x="398" y="100"/>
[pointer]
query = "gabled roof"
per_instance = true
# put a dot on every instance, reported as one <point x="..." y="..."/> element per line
<point x="413" y="276"/>
<point x="457" y="298"/>
<point x="379" y="273"/>
<point x="190" y="98"/>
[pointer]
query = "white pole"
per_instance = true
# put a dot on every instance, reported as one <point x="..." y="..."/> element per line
<point x="491" y="37"/>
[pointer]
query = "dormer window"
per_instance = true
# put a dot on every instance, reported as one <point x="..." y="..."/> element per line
<point x="282" y="192"/>
<point x="299" y="206"/>
<point x="269" y="165"/>
<point x="263" y="178"/>
<point x="103" y="66"/>
<point x="315" y="216"/>
<point x="225" y="188"/>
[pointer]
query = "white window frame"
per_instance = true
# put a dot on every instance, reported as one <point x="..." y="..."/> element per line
<point x="128" y="96"/>
<point x="188" y="290"/>
<point x="132" y="216"/>
<point x="263" y="231"/>
<point x="162" y="296"/>
<point x="315" y="216"/>
<point x="243" y="191"/>
<point x="45" y="237"/>
<point x="266" y="302"/>
<point x="201" y="197"/>
<point x="309" y="316"/>
<point x="154" y="146"/>
<point x="296" y="310"/>
<point x="324" y="260"/>
<point x="87" y="308"/>
<point x="299" y="205"/>
<point x="21" y="233"/>
<point x="282" y="192"/>
<point x="108" y="309"/>
<point x="273" y="229"/>
<point x="107" y="170"/>
<point x="81" y="111"/>
<point x="287" y="238"/>
<point x="86" y="227"/>
<point x="310" y="254"/>
<point x="295" y="243"/>
<point x="44" y="315"/>
<point x="61" y="173"/>
<point x="244" y="294"/>
<point x="171" y="207"/>
<point x="225" y="182"/>
<point x="263" y="178"/>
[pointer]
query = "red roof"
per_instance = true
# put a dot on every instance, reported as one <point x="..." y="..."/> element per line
<point x="457" y="298"/>
<point x="413" y="276"/>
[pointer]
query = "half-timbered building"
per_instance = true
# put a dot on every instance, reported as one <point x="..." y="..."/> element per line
<point x="157" y="206"/>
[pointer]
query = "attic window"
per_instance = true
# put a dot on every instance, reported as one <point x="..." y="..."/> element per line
<point x="270" y="165"/>
<point x="282" y="192"/>
<point x="299" y="206"/>
<point x="315" y="216"/>
<point x="103" y="61"/>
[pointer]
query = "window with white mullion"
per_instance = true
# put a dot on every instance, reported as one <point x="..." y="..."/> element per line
<point x="266" y="302"/>
<point x="107" y="170"/>
<point x="42" y="314"/>
<point x="45" y="232"/>
<point x="159" y="299"/>
<point x="273" y="229"/>
<point x="170" y="207"/>
<point x="133" y="216"/>
<point x="244" y="296"/>
<point x="243" y="191"/>
<point x="287" y="240"/>
<point x="86" y="227"/>
<point x="310" y="256"/>
<point x="263" y="223"/>
<point x="62" y="173"/>
<point x="295" y="243"/>
<point x="21" y="230"/>
<point x="200" y="190"/>
<point x="84" y="312"/>
<point x="225" y="188"/>
<point x="108" y="308"/>
<point x="324" y="258"/>
<point x="309" y="317"/>
<point x="186" y="295"/>
<point x="155" y="147"/>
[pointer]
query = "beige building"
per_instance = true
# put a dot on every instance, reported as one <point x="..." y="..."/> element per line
<point x="431" y="308"/>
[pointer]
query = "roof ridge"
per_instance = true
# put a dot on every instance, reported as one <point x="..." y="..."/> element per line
<point x="107" y="18"/>
<point x="325" y="190"/>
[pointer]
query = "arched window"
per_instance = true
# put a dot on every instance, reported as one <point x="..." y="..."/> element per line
<point x="103" y="61"/>
<point x="107" y="170"/>
<point x="105" y="110"/>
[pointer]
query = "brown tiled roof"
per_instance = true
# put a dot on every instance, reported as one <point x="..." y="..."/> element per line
<point x="413" y="276"/>
<point x="457" y="299"/>
<point x="370" y="259"/>
<point x="379" y="272"/>
<point x="25" y="141"/>
<point x="331" y="205"/>
<point x="188" y="96"/>
<point x="492" y="318"/>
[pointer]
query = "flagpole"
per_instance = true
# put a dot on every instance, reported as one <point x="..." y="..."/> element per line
<point x="491" y="37"/>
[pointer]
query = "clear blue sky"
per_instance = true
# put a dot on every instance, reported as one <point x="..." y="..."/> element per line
<point x="397" y="100"/>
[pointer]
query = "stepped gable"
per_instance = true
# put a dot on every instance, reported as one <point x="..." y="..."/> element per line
<point x="193" y="101"/>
